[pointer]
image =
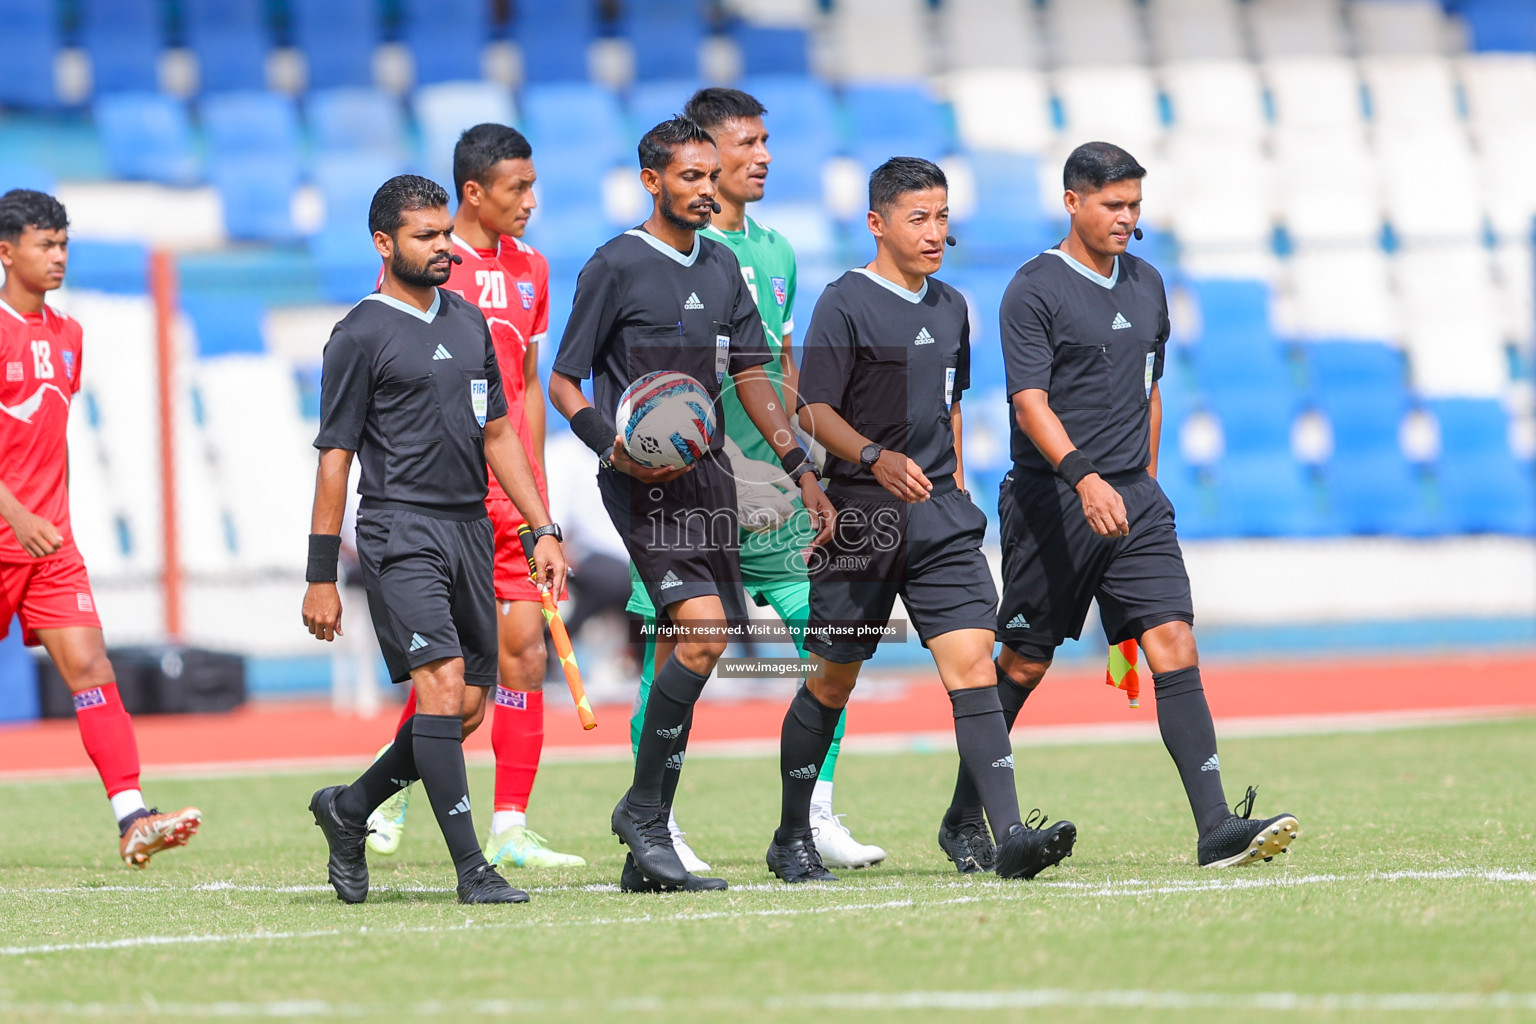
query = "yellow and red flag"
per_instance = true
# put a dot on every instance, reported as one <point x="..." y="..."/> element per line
<point x="1122" y="672"/>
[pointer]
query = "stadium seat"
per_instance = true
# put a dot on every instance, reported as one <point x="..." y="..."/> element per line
<point x="804" y="103"/>
<point x="989" y="34"/>
<point x="651" y="103"/>
<point x="1295" y="28"/>
<point x="1503" y="154"/>
<point x="1199" y="205"/>
<point x="1263" y="495"/>
<point x="1515" y="270"/>
<point x="1501" y="25"/>
<point x="567" y="178"/>
<point x="1233" y="312"/>
<point x="894" y="120"/>
<point x="1482" y="486"/>
<point x="31" y="45"/>
<point x="1431" y="187"/>
<point x="356" y="120"/>
<point x="811" y="233"/>
<point x="257" y="194"/>
<point x="1330" y="190"/>
<point x="123" y="39"/>
<point x="225" y="324"/>
<point x="1378" y="494"/>
<point x="772" y="50"/>
<point x="553" y="39"/>
<point x="444" y="110"/>
<point x="1320" y="92"/>
<point x="230" y="39"/>
<point x="1500" y="90"/>
<point x="1195" y="30"/>
<point x="1450" y="325"/>
<point x="1365" y="424"/>
<point x="567" y="238"/>
<point x="444" y="37"/>
<point x="25" y="175"/>
<point x="880" y="40"/>
<point x="343" y="249"/>
<point x="147" y="136"/>
<point x="241" y="124"/>
<point x="118" y="267"/>
<point x="1413" y="93"/>
<point x="1343" y="293"/>
<point x="1089" y="31"/>
<point x="1008" y="223"/>
<point x="1116" y="102"/>
<point x="1398" y="26"/>
<point x="577" y="117"/>
<point x="665" y="38"/>
<point x="337" y="39"/>
<point x="1255" y="421"/>
<point x="1340" y="371"/>
<point x="1219" y="98"/>
<point x="1005" y="110"/>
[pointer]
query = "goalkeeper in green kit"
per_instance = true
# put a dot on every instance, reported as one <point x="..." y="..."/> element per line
<point x="774" y="527"/>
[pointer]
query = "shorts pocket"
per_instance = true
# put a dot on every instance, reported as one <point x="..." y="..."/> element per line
<point x="408" y="411"/>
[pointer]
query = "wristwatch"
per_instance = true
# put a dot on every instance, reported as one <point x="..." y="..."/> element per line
<point x="548" y="530"/>
<point x="870" y="454"/>
<point x="805" y="467"/>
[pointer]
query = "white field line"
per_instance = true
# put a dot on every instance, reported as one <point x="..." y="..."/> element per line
<point x="981" y="892"/>
<point x="1141" y="727"/>
<point x="1013" y="999"/>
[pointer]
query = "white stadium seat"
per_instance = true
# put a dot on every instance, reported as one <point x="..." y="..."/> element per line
<point x="1004" y="110"/>
<point x="1411" y="92"/>
<point x="1217" y="97"/>
<point x="444" y="110"/>
<point x="989" y="34"/>
<point x="1341" y="292"/>
<point x="1501" y="91"/>
<point x="1328" y="188"/>
<point x="92" y="509"/>
<point x="1095" y="32"/>
<point x="1451" y="325"/>
<point x="1431" y="186"/>
<point x="1218" y="192"/>
<point x="1314" y="92"/>
<point x="1398" y="26"/>
<point x="1195" y="30"/>
<point x="1515" y="284"/>
<point x="880" y="40"/>
<point x="1115" y="103"/>
<point x="1292" y="28"/>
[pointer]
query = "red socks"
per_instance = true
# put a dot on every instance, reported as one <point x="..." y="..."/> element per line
<point x="107" y="732"/>
<point x="517" y="739"/>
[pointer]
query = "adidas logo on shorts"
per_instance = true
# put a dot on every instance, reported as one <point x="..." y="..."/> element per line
<point x="1018" y="622"/>
<point x="923" y="337"/>
<point x="462" y="807"/>
<point x="669" y="580"/>
<point x="417" y="643"/>
<point x="1004" y="762"/>
<point x="693" y="301"/>
<point x="1212" y="765"/>
<point x="810" y="771"/>
<point x="443" y="353"/>
<point x="1120" y="323"/>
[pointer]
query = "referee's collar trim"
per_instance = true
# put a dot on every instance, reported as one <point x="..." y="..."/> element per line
<point x="893" y="287"/>
<point x="665" y="249"/>
<point x="1091" y="274"/>
<point x="426" y="316"/>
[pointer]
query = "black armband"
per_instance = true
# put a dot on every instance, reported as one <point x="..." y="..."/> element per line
<point x="792" y="460"/>
<point x="1074" y="466"/>
<point x="324" y="552"/>
<point x="593" y="429"/>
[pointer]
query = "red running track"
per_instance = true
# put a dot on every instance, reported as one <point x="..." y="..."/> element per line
<point x="264" y="733"/>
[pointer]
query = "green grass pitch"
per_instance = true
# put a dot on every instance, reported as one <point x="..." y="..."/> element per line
<point x="1410" y="894"/>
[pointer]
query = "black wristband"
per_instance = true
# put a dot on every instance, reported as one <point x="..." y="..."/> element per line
<point x="1074" y="466"/>
<point x="792" y="460"/>
<point x="324" y="551"/>
<point x="593" y="429"/>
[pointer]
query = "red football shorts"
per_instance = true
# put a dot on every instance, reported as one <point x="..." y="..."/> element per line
<point x="512" y="582"/>
<point x="49" y="593"/>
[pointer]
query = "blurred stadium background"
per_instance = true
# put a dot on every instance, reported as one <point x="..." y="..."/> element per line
<point x="1339" y="196"/>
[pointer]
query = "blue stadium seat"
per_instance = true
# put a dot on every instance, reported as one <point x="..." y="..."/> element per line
<point x="1471" y="428"/>
<point x="1365" y="424"/>
<point x="567" y="178"/>
<point x="983" y="288"/>
<point x="894" y="120"/>
<point x="123" y="39"/>
<point x="231" y="40"/>
<point x="767" y="50"/>
<point x="802" y="117"/>
<point x="1378" y="493"/>
<point x="147" y="136"/>
<point x="25" y="175"/>
<point x="583" y="118"/>
<point x="1194" y="503"/>
<point x="1255" y="423"/>
<point x="1504" y="25"/>
<point x="665" y="38"/>
<point x="356" y="120"/>
<point x="1264" y="496"/>
<point x="119" y="267"/>
<point x="650" y="103"/>
<point x="239" y="124"/>
<point x="225" y="324"/>
<point x="1007" y="219"/>
<point x="343" y="249"/>
<point x="257" y="193"/>
<point x="1342" y="369"/>
<point x="445" y="37"/>
<point x="31" y="44"/>
<point x="567" y="238"/>
<point x="337" y="38"/>
<point x="553" y="39"/>
<point x="1483" y="488"/>
<point x="445" y="110"/>
<point x="1233" y="311"/>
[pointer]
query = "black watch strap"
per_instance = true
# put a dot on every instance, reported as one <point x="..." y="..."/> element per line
<point x="870" y="454"/>
<point x="548" y="530"/>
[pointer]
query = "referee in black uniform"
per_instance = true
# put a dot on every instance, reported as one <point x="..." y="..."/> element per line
<point x="410" y="383"/>
<point x="1081" y="514"/>
<point x="663" y="297"/>
<point x="885" y="362"/>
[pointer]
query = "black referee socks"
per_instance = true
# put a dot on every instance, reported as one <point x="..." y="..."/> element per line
<point x="673" y="694"/>
<point x="966" y="804"/>
<point x="438" y="741"/>
<point x="803" y="744"/>
<point x="393" y="771"/>
<point x="982" y="736"/>
<point x="1184" y="719"/>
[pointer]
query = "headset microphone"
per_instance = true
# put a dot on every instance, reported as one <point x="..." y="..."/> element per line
<point x="455" y="257"/>
<point x="1136" y="232"/>
<point x="949" y="240"/>
<point x="714" y="206"/>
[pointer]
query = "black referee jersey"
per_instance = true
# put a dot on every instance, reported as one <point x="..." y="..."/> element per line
<point x="1096" y="345"/>
<point x="641" y="306"/>
<point x="891" y="362"/>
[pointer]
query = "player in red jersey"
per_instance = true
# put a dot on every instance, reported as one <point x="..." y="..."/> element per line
<point x="509" y="280"/>
<point x="42" y="576"/>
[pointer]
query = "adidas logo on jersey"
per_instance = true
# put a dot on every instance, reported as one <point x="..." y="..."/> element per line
<point x="669" y="580"/>
<point x="810" y="771"/>
<point x="417" y="643"/>
<point x="462" y="807"/>
<point x="923" y="337"/>
<point x="1018" y="622"/>
<point x="693" y="301"/>
<point x="1120" y="323"/>
<point x="443" y="353"/>
<point x="1212" y="765"/>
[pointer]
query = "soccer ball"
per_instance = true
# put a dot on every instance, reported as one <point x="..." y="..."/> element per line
<point x="667" y="420"/>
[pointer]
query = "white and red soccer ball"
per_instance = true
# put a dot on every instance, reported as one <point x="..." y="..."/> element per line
<point x="667" y="420"/>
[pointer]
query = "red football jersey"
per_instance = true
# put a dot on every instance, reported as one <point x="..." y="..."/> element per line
<point x="510" y="284"/>
<point x="41" y="356"/>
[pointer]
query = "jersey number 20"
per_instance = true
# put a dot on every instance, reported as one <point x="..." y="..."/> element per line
<point x="493" y="289"/>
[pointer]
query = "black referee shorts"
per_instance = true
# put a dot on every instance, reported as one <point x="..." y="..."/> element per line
<point x="1054" y="565"/>
<point x="682" y="535"/>
<point x="430" y="590"/>
<point x="928" y="553"/>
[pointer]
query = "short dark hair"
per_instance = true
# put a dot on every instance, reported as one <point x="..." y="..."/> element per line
<point x="902" y="174"/>
<point x="712" y="107"/>
<point x="1093" y="165"/>
<point x="22" y="208"/>
<point x="481" y="148"/>
<point x="659" y="144"/>
<point x="401" y="193"/>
